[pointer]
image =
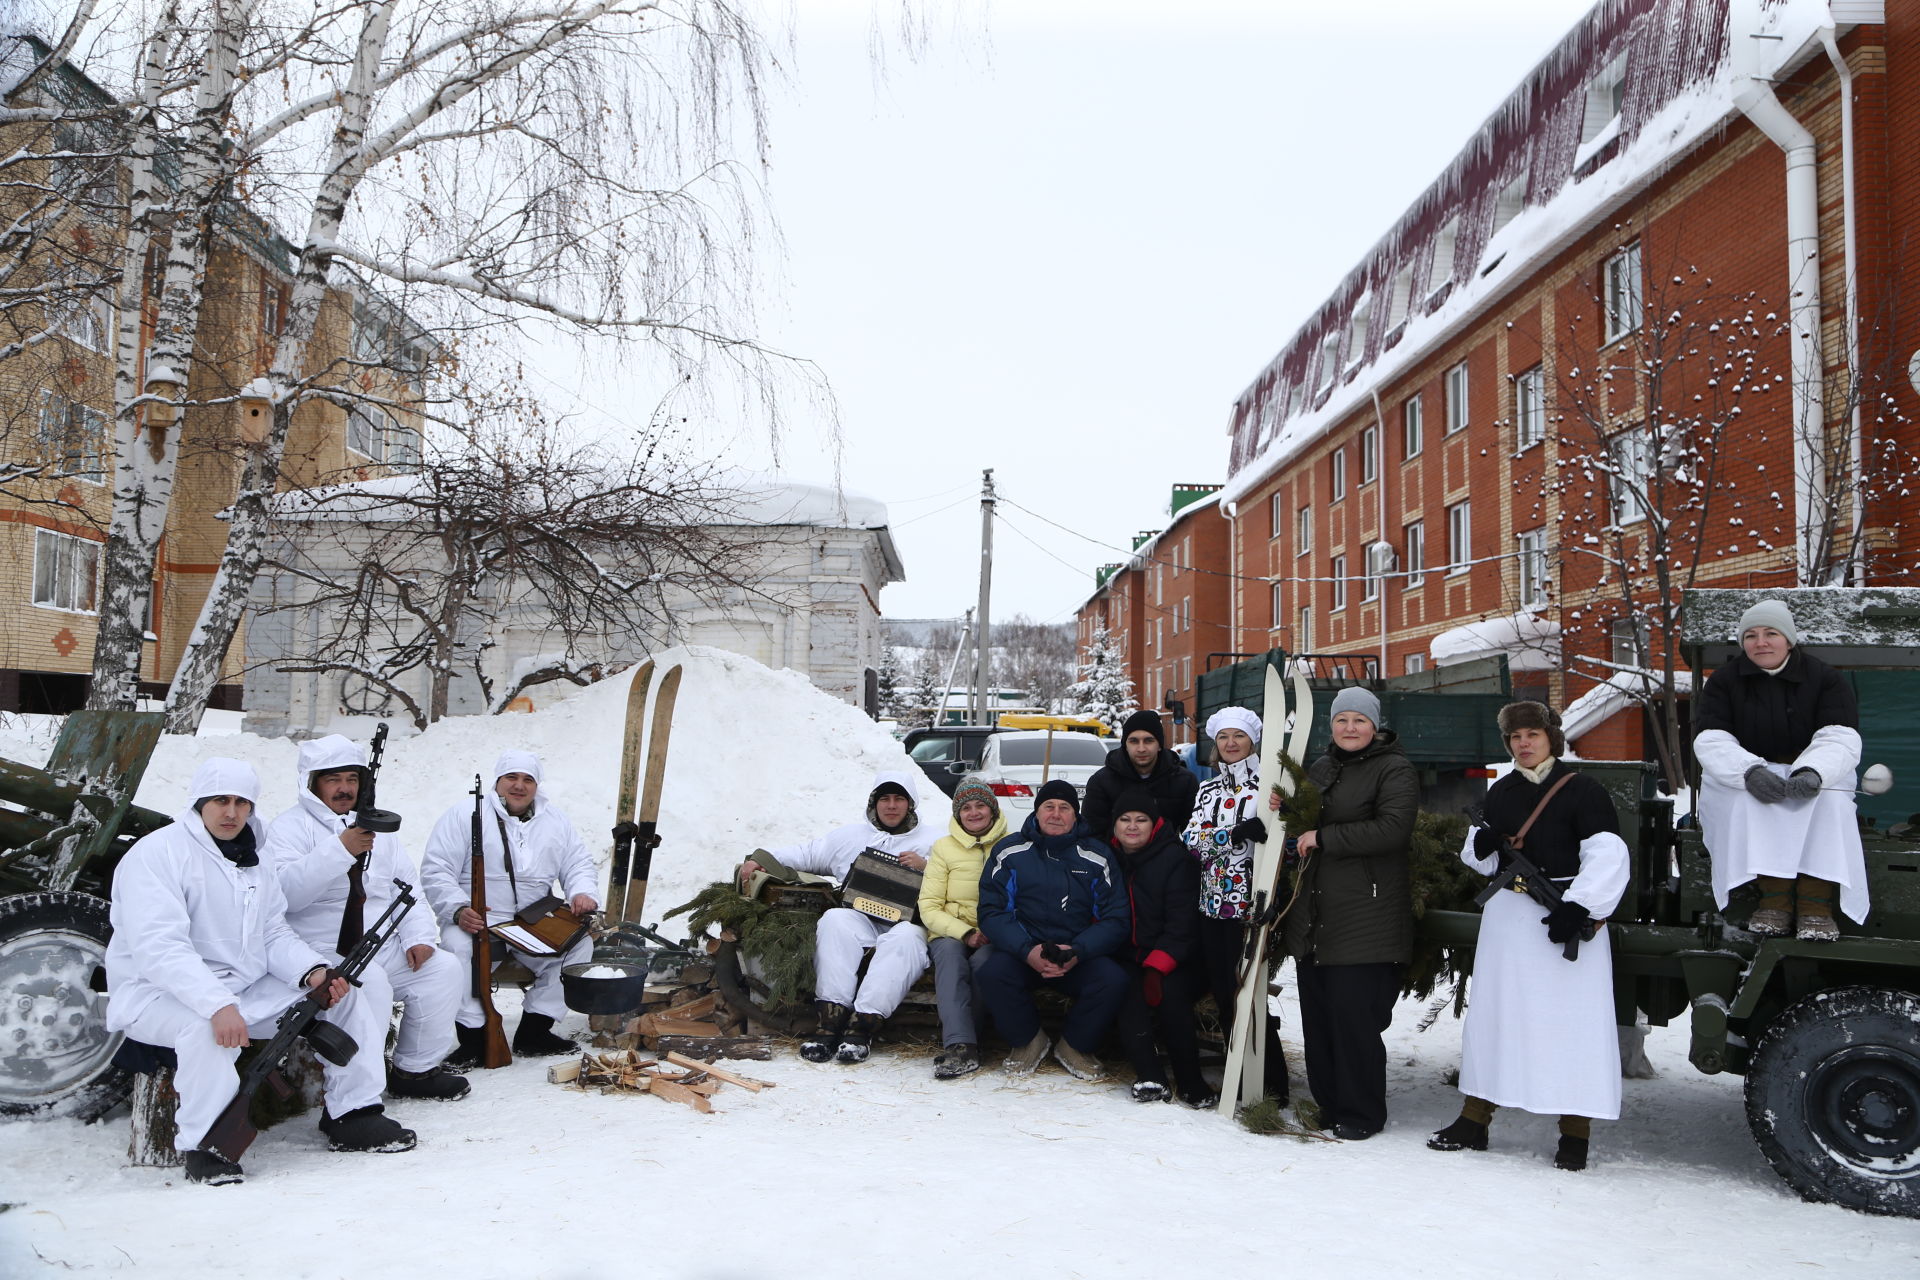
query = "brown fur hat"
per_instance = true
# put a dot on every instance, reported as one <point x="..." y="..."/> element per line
<point x="1533" y="715"/>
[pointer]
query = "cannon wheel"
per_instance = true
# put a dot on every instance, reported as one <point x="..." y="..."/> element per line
<point x="1833" y="1098"/>
<point x="55" y="1049"/>
<point x="738" y="995"/>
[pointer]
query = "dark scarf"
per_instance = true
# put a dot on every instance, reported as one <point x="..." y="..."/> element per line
<point x="239" y="850"/>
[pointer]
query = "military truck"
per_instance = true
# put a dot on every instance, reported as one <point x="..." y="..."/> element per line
<point x="62" y="830"/>
<point x="1826" y="1034"/>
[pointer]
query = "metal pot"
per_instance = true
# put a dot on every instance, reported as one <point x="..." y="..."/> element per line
<point x="604" y="992"/>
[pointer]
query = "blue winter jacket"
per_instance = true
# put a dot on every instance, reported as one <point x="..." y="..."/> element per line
<point x="1039" y="888"/>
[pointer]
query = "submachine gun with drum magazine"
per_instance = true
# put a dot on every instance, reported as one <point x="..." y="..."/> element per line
<point x="1517" y="872"/>
<point x="233" y="1131"/>
<point x="365" y="815"/>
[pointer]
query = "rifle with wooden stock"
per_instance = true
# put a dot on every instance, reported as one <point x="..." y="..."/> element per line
<point x="233" y="1130"/>
<point x="497" y="1053"/>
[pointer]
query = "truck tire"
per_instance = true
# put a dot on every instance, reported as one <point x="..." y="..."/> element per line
<point x="1833" y="1098"/>
<point x="56" y="1053"/>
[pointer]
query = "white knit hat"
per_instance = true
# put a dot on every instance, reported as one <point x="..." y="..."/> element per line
<point x="1770" y="613"/>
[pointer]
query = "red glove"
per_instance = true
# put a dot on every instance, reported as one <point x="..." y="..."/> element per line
<point x="1150" y="987"/>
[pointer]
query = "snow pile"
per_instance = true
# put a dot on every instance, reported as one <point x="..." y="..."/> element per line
<point x="758" y="758"/>
<point x="1530" y="642"/>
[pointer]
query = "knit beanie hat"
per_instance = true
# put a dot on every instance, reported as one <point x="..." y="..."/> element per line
<point x="1533" y="715"/>
<point x="1137" y="800"/>
<point x="1145" y="718"/>
<point x="1354" y="698"/>
<point x="1058" y="789"/>
<point x="1770" y="613"/>
<point x="1234" y="718"/>
<point x="974" y="788"/>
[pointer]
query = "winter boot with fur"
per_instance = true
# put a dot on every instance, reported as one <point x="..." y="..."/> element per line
<point x="1026" y="1057"/>
<point x="1571" y="1154"/>
<point x="1462" y="1135"/>
<point x="205" y="1166"/>
<point x="1151" y="1091"/>
<point x="825" y="1040"/>
<point x="471" y="1049"/>
<point x="366" y="1129"/>
<point x="1081" y="1066"/>
<point x="435" y="1083"/>
<point x="1813" y="899"/>
<point x="959" y="1060"/>
<point x="857" y="1041"/>
<point x="534" y="1038"/>
<point x="1773" y="918"/>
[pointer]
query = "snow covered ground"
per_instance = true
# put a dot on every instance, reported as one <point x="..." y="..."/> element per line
<point x="844" y="1169"/>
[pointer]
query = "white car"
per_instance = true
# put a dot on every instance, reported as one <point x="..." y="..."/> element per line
<point x="1017" y="761"/>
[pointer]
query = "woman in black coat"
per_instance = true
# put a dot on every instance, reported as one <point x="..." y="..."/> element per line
<point x="1350" y="928"/>
<point x="1163" y="883"/>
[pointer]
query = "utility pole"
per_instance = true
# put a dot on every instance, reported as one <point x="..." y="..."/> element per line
<point x="966" y="632"/>
<point x="983" y="647"/>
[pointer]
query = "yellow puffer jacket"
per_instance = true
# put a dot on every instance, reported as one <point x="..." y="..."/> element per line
<point x="950" y="890"/>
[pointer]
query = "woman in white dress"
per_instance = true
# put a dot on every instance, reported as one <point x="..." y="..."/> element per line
<point x="1539" y="1033"/>
<point x="1778" y="739"/>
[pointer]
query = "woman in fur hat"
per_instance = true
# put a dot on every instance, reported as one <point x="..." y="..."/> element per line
<point x="1777" y="734"/>
<point x="1539" y="1033"/>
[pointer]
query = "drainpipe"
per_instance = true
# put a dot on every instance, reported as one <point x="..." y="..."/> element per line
<point x="1380" y="481"/>
<point x="1751" y="43"/>
<point x="1856" y="557"/>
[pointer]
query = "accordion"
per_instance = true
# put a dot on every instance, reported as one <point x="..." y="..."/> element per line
<point x="879" y="886"/>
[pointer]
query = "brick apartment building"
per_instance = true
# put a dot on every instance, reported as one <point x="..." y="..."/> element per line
<point x="1654" y="321"/>
<point x="56" y="437"/>
<point x="1167" y="605"/>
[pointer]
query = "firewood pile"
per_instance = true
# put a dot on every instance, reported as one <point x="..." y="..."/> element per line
<point x="675" y="1077"/>
<point x="684" y="1015"/>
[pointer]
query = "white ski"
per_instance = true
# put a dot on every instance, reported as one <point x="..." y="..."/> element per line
<point x="1245" y="1075"/>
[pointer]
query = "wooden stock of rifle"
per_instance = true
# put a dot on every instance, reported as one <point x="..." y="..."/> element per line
<point x="496" y="1053"/>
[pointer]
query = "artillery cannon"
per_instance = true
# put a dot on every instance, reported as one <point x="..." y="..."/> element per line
<point x="62" y="830"/>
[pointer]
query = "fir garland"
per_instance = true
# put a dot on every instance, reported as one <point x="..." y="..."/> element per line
<point x="1441" y="882"/>
<point x="777" y="940"/>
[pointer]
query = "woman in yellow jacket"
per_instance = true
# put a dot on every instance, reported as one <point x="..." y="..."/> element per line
<point x="950" y="913"/>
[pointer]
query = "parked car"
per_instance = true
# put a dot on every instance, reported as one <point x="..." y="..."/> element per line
<point x="1016" y="761"/>
<point x="939" y="750"/>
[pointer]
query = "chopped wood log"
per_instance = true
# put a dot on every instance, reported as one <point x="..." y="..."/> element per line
<point x="660" y="1024"/>
<point x="565" y="1072"/>
<point x="680" y="1093"/>
<point x="697" y="975"/>
<point x="695" y="1007"/>
<point x="740" y="1048"/>
<point x="154" y="1129"/>
<point x="719" y="1073"/>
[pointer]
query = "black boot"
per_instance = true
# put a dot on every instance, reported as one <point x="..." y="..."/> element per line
<point x="857" y="1041"/>
<point x="215" y="1171"/>
<point x="1572" y="1154"/>
<point x="366" y="1129"/>
<point x="1462" y="1135"/>
<point x="534" y="1038"/>
<point x="825" y="1040"/>
<point x="436" y="1083"/>
<point x="471" y="1050"/>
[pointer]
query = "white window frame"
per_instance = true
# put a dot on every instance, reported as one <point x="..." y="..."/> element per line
<point x="1457" y="388"/>
<point x="1459" y="538"/>
<point x="371" y="423"/>
<point x="1630" y="642"/>
<point x="1531" y="555"/>
<point x="1303" y="631"/>
<point x="1303" y="532"/>
<point x="1329" y="365"/>
<point x="1337" y="473"/>
<point x="1415" y="535"/>
<point x="1416" y="662"/>
<point x="1399" y="298"/>
<point x="1357" y="328"/>
<point x="1276" y="516"/>
<point x="1508" y="205"/>
<point x="63" y="423"/>
<point x="1369" y="454"/>
<point x="1529" y="409"/>
<point x="1629" y="471"/>
<point x="66" y="572"/>
<point x="1605" y="95"/>
<point x="1279" y="606"/>
<point x="1413" y="428"/>
<point x="1337" y="570"/>
<point x="82" y="318"/>
<point x="1622" y="306"/>
<point x="1445" y="246"/>
<point x="1379" y="562"/>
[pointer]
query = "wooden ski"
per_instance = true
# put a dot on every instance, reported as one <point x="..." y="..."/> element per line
<point x="1245" y="1075"/>
<point x="629" y="779"/>
<point x="647" y="816"/>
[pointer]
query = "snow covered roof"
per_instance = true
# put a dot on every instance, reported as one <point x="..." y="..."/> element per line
<point x="1852" y="616"/>
<point x="1530" y="642"/>
<point x="1143" y="554"/>
<point x="771" y="500"/>
<point x="1537" y="175"/>
<point x="1610" y="697"/>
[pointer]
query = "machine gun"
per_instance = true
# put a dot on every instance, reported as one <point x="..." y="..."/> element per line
<point x="233" y="1130"/>
<point x="365" y="815"/>
<point x="1517" y="871"/>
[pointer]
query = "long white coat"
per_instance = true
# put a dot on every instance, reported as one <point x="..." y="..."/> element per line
<point x="1540" y="1031"/>
<point x="546" y="848"/>
<point x="1818" y="837"/>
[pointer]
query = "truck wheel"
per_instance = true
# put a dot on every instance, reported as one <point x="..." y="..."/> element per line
<point x="1833" y="1098"/>
<point x="55" y="1049"/>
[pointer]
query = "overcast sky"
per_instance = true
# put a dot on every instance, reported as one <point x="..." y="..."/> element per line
<point x="1062" y="248"/>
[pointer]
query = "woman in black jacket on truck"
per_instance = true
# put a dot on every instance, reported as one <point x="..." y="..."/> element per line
<point x="1350" y="928"/>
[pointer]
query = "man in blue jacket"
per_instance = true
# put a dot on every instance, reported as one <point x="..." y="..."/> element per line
<point x="1054" y="905"/>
